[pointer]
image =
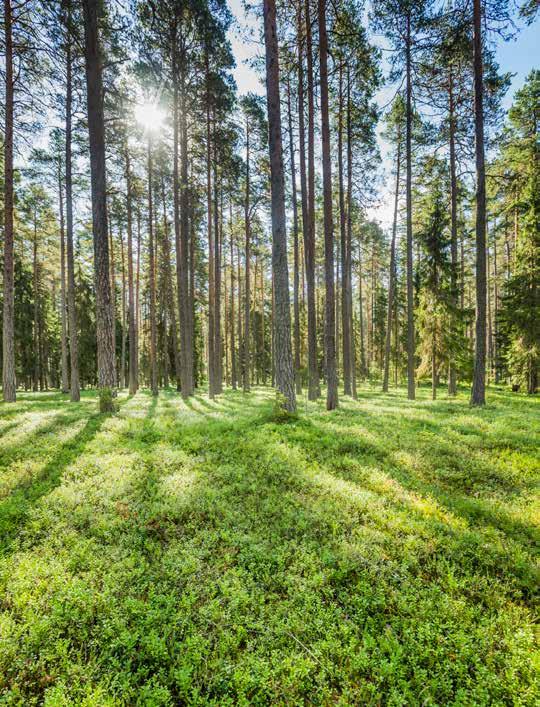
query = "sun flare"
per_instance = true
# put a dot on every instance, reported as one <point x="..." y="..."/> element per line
<point x="149" y="115"/>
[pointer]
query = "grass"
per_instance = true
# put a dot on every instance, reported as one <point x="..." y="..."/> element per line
<point x="209" y="553"/>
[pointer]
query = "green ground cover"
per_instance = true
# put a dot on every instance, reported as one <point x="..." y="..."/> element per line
<point x="208" y="553"/>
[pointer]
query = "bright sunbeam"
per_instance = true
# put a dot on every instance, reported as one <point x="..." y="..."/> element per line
<point x="149" y="116"/>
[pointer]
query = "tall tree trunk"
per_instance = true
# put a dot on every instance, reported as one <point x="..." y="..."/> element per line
<point x="452" y="375"/>
<point x="330" y="305"/>
<point x="363" y="366"/>
<point x="211" y="254"/>
<point x="152" y="277"/>
<point x="72" y="309"/>
<point x="411" y="391"/>
<point x="9" y="383"/>
<point x="218" y="373"/>
<point x="296" y="272"/>
<point x="345" y="318"/>
<point x="96" y="132"/>
<point x="184" y="291"/>
<point x="496" y="308"/>
<point x="478" y="393"/>
<point x="392" y="274"/>
<point x="133" y="344"/>
<point x="284" y="370"/>
<point x="314" y="390"/>
<point x="123" y="378"/>
<point x="348" y="267"/>
<point x="234" y="375"/>
<point x="247" y="257"/>
<point x="36" y="329"/>
<point x="169" y="287"/>
<point x="63" y="312"/>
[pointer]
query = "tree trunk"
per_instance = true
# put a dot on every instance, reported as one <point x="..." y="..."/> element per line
<point x="478" y="393"/>
<point x="63" y="313"/>
<point x="345" y="317"/>
<point x="169" y="287"/>
<point x="247" y="257"/>
<point x="363" y="367"/>
<point x="133" y="344"/>
<point x="218" y="365"/>
<point x="36" y="338"/>
<point x="234" y="375"/>
<point x="411" y="392"/>
<point x="392" y="275"/>
<point x="296" y="272"/>
<point x="348" y="267"/>
<point x="452" y="375"/>
<point x="96" y="132"/>
<point x="184" y="292"/>
<point x="152" y="277"/>
<point x="123" y="378"/>
<point x="284" y="370"/>
<point x="72" y="310"/>
<point x="330" y="306"/>
<point x="211" y="254"/>
<point x="9" y="383"/>
<point x="314" y="390"/>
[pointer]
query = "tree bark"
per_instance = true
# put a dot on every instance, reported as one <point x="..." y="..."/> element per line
<point x="247" y="257"/>
<point x="9" y="382"/>
<point x="330" y="306"/>
<point x="72" y="309"/>
<point x="63" y="312"/>
<point x="96" y="132"/>
<point x="345" y="255"/>
<point x="296" y="273"/>
<point x="314" y="390"/>
<point x="234" y="376"/>
<point x="392" y="275"/>
<point x="478" y="393"/>
<point x="411" y="390"/>
<point x="348" y="267"/>
<point x="452" y="375"/>
<point x="152" y="277"/>
<point x="133" y="383"/>
<point x="284" y="370"/>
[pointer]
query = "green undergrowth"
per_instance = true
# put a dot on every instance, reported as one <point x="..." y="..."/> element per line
<point x="219" y="553"/>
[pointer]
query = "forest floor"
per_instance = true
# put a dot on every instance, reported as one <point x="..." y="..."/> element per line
<point x="208" y="553"/>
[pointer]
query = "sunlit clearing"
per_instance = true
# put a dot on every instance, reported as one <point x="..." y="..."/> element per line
<point x="149" y="115"/>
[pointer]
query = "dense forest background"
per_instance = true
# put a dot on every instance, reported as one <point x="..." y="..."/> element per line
<point x="137" y="193"/>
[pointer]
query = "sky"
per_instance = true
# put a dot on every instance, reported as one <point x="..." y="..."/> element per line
<point x="518" y="56"/>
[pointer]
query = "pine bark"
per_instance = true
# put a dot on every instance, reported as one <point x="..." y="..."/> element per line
<point x="411" y="391"/>
<point x="152" y="277"/>
<point x="345" y="255"/>
<point x="348" y="267"/>
<point x="330" y="306"/>
<point x="452" y="375"/>
<point x="247" y="258"/>
<point x="296" y="272"/>
<point x="71" y="305"/>
<point x="133" y="382"/>
<point x="63" y="313"/>
<point x="314" y="390"/>
<point x="284" y="370"/>
<point x="392" y="274"/>
<point x="96" y="132"/>
<point x="478" y="393"/>
<point x="9" y="383"/>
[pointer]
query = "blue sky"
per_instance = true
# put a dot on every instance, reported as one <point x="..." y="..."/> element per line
<point x="518" y="56"/>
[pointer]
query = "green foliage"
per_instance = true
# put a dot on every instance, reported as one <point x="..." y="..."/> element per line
<point x="202" y="553"/>
<point x="107" y="400"/>
<point x="280" y="412"/>
<point x="520" y="313"/>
